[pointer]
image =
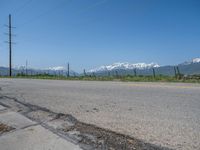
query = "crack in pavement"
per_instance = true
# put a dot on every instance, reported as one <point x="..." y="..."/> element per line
<point x="87" y="136"/>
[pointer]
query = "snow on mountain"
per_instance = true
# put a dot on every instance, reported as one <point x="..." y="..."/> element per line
<point x="56" y="68"/>
<point x="62" y="69"/>
<point x="196" y="60"/>
<point x="193" y="61"/>
<point x="125" y="65"/>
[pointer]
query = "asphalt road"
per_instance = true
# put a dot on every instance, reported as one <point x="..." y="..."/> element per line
<point x="166" y="114"/>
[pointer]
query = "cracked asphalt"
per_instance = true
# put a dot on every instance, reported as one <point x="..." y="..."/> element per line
<point x="166" y="114"/>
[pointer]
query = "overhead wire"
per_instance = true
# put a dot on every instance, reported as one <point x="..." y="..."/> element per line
<point x="59" y="6"/>
<point x="44" y="13"/>
<point x="20" y="8"/>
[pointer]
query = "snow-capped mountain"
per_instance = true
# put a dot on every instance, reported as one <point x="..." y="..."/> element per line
<point x="196" y="60"/>
<point x="188" y="67"/>
<point x="58" y="68"/>
<point x="193" y="61"/>
<point x="124" y="66"/>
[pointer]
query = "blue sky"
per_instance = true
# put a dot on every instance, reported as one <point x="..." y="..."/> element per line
<point x="90" y="33"/>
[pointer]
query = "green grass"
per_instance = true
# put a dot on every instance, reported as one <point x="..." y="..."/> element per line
<point x="127" y="78"/>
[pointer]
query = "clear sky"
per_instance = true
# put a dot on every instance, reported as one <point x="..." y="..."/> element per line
<point x="90" y="33"/>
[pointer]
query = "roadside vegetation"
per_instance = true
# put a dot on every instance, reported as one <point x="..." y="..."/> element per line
<point x="125" y="78"/>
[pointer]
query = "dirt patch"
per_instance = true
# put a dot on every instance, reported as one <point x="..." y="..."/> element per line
<point x="5" y="128"/>
<point x="103" y="139"/>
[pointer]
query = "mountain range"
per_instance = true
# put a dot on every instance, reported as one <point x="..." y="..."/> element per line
<point x="59" y="70"/>
<point x="187" y="67"/>
<point x="125" y="66"/>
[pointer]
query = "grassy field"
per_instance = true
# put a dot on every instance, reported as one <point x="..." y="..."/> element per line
<point x="127" y="78"/>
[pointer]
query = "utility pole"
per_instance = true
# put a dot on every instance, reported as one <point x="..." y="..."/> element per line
<point x="10" y="43"/>
<point x="10" y="47"/>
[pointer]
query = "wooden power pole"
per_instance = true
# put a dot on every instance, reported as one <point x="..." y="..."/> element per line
<point x="10" y="46"/>
<point x="10" y="43"/>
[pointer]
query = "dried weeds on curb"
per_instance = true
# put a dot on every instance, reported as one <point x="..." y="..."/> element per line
<point x="5" y="128"/>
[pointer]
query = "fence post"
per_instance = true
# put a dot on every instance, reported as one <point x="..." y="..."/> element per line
<point x="154" y="74"/>
<point x="93" y="74"/>
<point x="68" y="70"/>
<point x="175" y="72"/>
<point x="178" y="72"/>
<point x="135" y="72"/>
<point x="116" y="73"/>
<point x="84" y="72"/>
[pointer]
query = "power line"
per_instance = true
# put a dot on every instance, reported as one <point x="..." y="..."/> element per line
<point x="93" y="5"/>
<point x="18" y="9"/>
<point x="61" y="5"/>
<point x="44" y="13"/>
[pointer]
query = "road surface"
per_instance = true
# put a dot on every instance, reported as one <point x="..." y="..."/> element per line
<point x="166" y="114"/>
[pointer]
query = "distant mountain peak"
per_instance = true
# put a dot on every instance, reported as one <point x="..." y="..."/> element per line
<point x="60" y="69"/>
<point x="57" y="68"/>
<point x="193" y="61"/>
<point x="196" y="60"/>
<point x="124" y="65"/>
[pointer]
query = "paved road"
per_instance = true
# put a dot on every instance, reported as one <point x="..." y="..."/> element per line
<point x="166" y="114"/>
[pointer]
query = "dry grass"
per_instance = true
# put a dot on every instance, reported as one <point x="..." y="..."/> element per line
<point x="5" y="128"/>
